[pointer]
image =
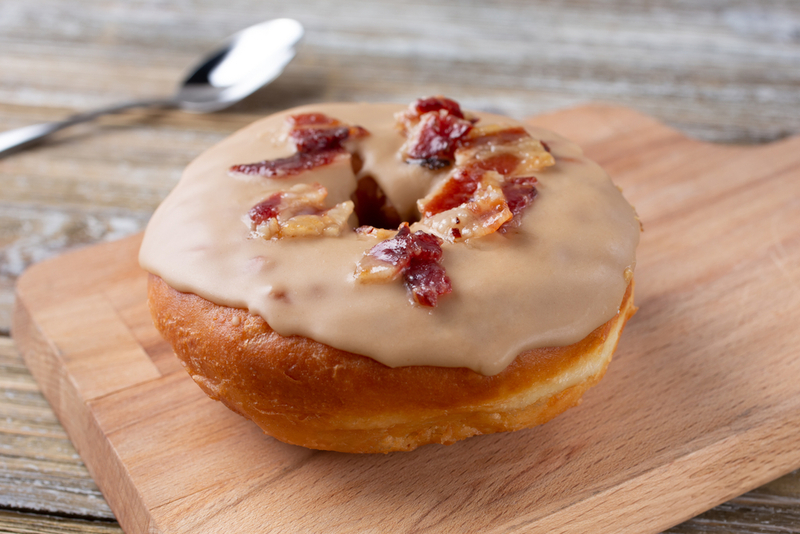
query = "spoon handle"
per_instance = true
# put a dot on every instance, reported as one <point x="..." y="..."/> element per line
<point x="19" y="138"/>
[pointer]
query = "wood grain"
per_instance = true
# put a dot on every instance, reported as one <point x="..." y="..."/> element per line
<point x="699" y="406"/>
<point x="17" y="523"/>
<point x="41" y="471"/>
<point x="44" y="486"/>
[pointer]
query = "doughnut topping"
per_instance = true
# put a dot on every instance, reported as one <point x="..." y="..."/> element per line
<point x="298" y="212"/>
<point x="509" y="151"/>
<point x="470" y="205"/>
<point x="416" y="257"/>
<point x="316" y="132"/>
<point x="519" y="193"/>
<point x="490" y="185"/>
<point x="410" y="117"/>
<point x="318" y="140"/>
<point x="433" y="128"/>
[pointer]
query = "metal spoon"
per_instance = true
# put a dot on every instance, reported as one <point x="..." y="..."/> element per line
<point x="245" y="62"/>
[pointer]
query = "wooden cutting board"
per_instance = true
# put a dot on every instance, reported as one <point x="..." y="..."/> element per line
<point x="701" y="402"/>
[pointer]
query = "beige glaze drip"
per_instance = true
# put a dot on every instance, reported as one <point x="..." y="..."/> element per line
<point x="552" y="283"/>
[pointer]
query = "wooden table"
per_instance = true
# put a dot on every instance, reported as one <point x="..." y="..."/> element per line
<point x="727" y="73"/>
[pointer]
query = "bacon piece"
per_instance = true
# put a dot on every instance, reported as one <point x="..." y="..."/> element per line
<point x="438" y="133"/>
<point x="310" y="140"/>
<point x="318" y="140"/>
<point x="433" y="141"/>
<point x="511" y="151"/>
<point x="491" y="184"/>
<point x="427" y="281"/>
<point x="483" y="213"/>
<point x="435" y="103"/>
<point x="376" y="233"/>
<point x="433" y="127"/>
<point x="386" y="261"/>
<point x="458" y="189"/>
<point x="504" y="163"/>
<point x="290" y="166"/>
<point x="313" y="132"/>
<point x="298" y="212"/>
<point x="409" y="118"/>
<point x="494" y="134"/>
<point x="519" y="193"/>
<point x="266" y="209"/>
<point x="426" y="247"/>
<point x="416" y="257"/>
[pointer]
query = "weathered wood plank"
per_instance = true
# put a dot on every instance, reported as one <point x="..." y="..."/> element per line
<point x="772" y="508"/>
<point x="18" y="523"/>
<point x="40" y="470"/>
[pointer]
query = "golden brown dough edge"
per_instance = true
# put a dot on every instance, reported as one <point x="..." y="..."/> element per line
<point x="307" y="393"/>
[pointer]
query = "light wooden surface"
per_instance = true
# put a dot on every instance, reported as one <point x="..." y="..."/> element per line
<point x="722" y="71"/>
<point x="700" y="405"/>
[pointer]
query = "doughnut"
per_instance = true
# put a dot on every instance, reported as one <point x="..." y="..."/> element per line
<point x="370" y="278"/>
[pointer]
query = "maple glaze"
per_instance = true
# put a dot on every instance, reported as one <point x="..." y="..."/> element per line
<point x="550" y="282"/>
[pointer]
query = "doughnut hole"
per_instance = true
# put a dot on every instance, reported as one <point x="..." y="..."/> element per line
<point x="372" y="206"/>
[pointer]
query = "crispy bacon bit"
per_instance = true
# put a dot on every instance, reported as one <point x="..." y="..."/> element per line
<point x="409" y="118"/>
<point x="266" y="209"/>
<point x="298" y="212"/>
<point x="416" y="257"/>
<point x="457" y="190"/>
<point x="433" y="127"/>
<point x="427" y="281"/>
<point x="483" y="213"/>
<point x="509" y="151"/>
<point x="519" y="193"/>
<point x="492" y="180"/>
<point x="494" y="134"/>
<point x="313" y="132"/>
<point x="294" y="164"/>
<point x="433" y="141"/>
<point x="504" y="163"/>
<point x="319" y="141"/>
<point x="435" y="103"/>
<point x="375" y="233"/>
<point x="387" y="260"/>
<point x="490" y="186"/>
<point x="310" y="140"/>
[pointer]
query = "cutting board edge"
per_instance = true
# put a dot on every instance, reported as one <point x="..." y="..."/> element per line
<point x="711" y="468"/>
<point x="48" y="368"/>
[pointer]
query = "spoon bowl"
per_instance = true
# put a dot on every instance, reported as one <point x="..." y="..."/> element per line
<point x="247" y="61"/>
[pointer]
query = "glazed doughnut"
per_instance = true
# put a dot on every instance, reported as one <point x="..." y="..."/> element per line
<point x="372" y="278"/>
